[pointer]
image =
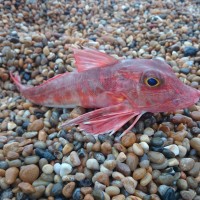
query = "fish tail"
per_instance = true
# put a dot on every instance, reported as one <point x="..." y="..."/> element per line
<point x="16" y="79"/>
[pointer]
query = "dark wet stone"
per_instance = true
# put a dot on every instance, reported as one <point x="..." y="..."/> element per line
<point x="167" y="153"/>
<point x="124" y="192"/>
<point x="156" y="142"/>
<point x="195" y="130"/>
<point x="39" y="113"/>
<point x="160" y="134"/>
<point x="150" y="119"/>
<point x="99" y="157"/>
<point x="1" y="120"/>
<point x="27" y="76"/>
<point x="65" y="116"/>
<point x="139" y="127"/>
<point x="44" y="154"/>
<point x="14" y="40"/>
<point x="77" y="195"/>
<point x="85" y="183"/>
<point x="190" y="51"/>
<point x="62" y="133"/>
<point x="25" y="124"/>
<point x="170" y="170"/>
<point x="60" y="197"/>
<point x="98" y="195"/>
<point x="185" y="70"/>
<point x="169" y="195"/>
<point x="157" y="149"/>
<point x="54" y="119"/>
<point x="57" y="189"/>
<point x="176" y="169"/>
<point x="133" y="44"/>
<point x="6" y="194"/>
<point x="4" y="165"/>
<point x="20" y="131"/>
<point x="81" y="153"/>
<point x="52" y="135"/>
<point x="77" y="145"/>
<point x="103" y="138"/>
<point x="22" y="196"/>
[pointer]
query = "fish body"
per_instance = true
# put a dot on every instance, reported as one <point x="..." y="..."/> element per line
<point x="121" y="89"/>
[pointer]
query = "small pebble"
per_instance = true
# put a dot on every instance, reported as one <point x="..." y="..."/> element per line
<point x="92" y="164"/>
<point x="47" y="169"/>
<point x="65" y="169"/>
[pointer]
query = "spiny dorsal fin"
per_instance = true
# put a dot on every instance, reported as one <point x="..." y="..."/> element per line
<point x="91" y="58"/>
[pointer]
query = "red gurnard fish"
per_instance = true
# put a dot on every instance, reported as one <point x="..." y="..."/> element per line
<point x="121" y="89"/>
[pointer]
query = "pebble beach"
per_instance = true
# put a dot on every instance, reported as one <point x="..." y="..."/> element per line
<point x="159" y="159"/>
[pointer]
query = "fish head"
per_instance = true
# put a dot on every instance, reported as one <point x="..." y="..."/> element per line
<point x="157" y="88"/>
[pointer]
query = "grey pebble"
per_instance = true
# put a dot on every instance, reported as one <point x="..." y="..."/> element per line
<point x="4" y="165"/>
<point x="31" y="160"/>
<point x="57" y="189"/>
<point x="6" y="194"/>
<point x="98" y="195"/>
<point x="15" y="163"/>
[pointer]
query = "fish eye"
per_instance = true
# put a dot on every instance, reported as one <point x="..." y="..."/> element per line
<point x="152" y="82"/>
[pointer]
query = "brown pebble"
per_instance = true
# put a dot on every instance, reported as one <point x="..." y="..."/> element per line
<point x="101" y="178"/>
<point x="179" y="118"/>
<point x="68" y="189"/>
<point x="128" y="139"/>
<point x="42" y="135"/>
<point x="139" y="173"/>
<point x="88" y="197"/>
<point x="132" y="161"/>
<point x="36" y="125"/>
<point x="120" y="147"/>
<point x="29" y="173"/>
<point x="67" y="148"/>
<point x="13" y="146"/>
<point x="106" y="148"/>
<point x="28" y="150"/>
<point x="2" y="172"/>
<point x="77" y="112"/>
<point x="12" y="155"/>
<point x="86" y="190"/>
<point x="195" y="143"/>
<point x="11" y="175"/>
<point x="27" y="188"/>
<point x="96" y="146"/>
<point x="195" y="115"/>
<point x="186" y="164"/>
<point x="179" y="135"/>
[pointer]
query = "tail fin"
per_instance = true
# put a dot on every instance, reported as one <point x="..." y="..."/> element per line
<point x="17" y="81"/>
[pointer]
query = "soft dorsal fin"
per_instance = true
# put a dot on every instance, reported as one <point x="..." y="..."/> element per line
<point x="90" y="58"/>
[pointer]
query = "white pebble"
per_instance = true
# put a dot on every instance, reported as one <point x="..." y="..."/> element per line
<point x="148" y="131"/>
<point x="174" y="148"/>
<point x="92" y="164"/>
<point x="65" y="169"/>
<point x="145" y="146"/>
<point x="56" y="168"/>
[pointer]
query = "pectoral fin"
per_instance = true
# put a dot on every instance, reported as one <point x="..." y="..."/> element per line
<point x="104" y="120"/>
